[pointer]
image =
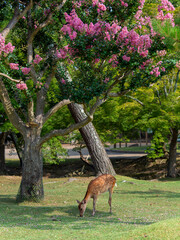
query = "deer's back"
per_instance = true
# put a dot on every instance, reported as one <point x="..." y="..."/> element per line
<point x="101" y="184"/>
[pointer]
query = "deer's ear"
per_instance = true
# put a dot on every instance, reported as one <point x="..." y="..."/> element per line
<point x="78" y="201"/>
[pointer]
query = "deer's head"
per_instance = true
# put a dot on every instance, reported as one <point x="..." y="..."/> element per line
<point x="82" y="207"/>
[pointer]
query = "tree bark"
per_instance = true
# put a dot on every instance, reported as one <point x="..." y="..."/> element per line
<point x="2" y="151"/>
<point x="171" y="163"/>
<point x="31" y="187"/>
<point x="99" y="157"/>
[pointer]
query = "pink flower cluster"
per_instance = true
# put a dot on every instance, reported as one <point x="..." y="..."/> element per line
<point x="22" y="86"/>
<point x="155" y="72"/>
<point x="14" y="66"/>
<point x="134" y="41"/>
<point x="25" y="70"/>
<point x="37" y="59"/>
<point x="100" y="5"/>
<point x="124" y="4"/>
<point x="77" y="4"/>
<point x="125" y="37"/>
<point x="63" y="81"/>
<point x="62" y="53"/>
<point x="74" y="25"/>
<point x="146" y="63"/>
<point x="6" y="48"/>
<point x="39" y="84"/>
<point x="106" y="80"/>
<point x="167" y="6"/>
<point x="178" y="65"/>
<point x="161" y="53"/>
<point x="126" y="58"/>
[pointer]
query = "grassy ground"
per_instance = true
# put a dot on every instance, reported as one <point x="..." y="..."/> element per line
<point x="141" y="210"/>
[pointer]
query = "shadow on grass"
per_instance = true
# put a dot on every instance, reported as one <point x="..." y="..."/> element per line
<point x="56" y="217"/>
<point x="152" y="193"/>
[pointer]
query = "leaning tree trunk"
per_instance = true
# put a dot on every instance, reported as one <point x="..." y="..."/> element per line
<point x="31" y="187"/>
<point x="2" y="151"/>
<point x="99" y="157"/>
<point x="171" y="163"/>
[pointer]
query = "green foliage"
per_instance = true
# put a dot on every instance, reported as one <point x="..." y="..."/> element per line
<point x="53" y="152"/>
<point x="157" y="144"/>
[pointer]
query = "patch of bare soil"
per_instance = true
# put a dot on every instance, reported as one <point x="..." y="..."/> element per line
<point x="142" y="168"/>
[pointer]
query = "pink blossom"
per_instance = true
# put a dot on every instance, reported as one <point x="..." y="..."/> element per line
<point x="163" y="69"/>
<point x="126" y="58"/>
<point x="123" y="3"/>
<point x="155" y="72"/>
<point x="24" y="17"/>
<point x="123" y="34"/>
<point x="63" y="81"/>
<point x="61" y="53"/>
<point x="113" y="58"/>
<point x="37" y="59"/>
<point x="25" y="70"/>
<point x="73" y="35"/>
<point x="178" y="65"/>
<point x="161" y="53"/>
<point x="96" y="60"/>
<point x="106" y="80"/>
<point x="9" y="48"/>
<point x="107" y="37"/>
<point x="14" y="66"/>
<point x="101" y="7"/>
<point x="159" y="63"/>
<point x="166" y="5"/>
<point x="22" y="86"/>
<point x="95" y="2"/>
<point x="144" y="53"/>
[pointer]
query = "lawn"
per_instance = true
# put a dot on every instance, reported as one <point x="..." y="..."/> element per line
<point x="141" y="210"/>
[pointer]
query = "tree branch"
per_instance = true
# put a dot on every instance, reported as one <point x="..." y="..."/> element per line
<point x="41" y="95"/>
<point x="15" y="19"/>
<point x="63" y="132"/>
<point x="135" y="99"/>
<point x="10" y="111"/>
<point x="45" y="23"/>
<point x="55" y="109"/>
<point x="118" y="94"/>
<point x="13" y="80"/>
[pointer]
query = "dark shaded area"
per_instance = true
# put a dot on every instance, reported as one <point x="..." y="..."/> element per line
<point x="141" y="168"/>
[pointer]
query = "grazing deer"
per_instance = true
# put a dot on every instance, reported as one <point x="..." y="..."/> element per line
<point x="97" y="186"/>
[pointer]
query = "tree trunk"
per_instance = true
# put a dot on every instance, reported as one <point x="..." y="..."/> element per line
<point x="171" y="163"/>
<point x="2" y="151"/>
<point x="31" y="187"/>
<point x="99" y="157"/>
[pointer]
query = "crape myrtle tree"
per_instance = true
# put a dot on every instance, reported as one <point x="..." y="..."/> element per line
<point x="94" y="43"/>
<point x="27" y="110"/>
<point x="108" y="47"/>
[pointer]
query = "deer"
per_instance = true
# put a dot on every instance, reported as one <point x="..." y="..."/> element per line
<point x="101" y="184"/>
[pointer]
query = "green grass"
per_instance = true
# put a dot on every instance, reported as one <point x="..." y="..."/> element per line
<point x="141" y="210"/>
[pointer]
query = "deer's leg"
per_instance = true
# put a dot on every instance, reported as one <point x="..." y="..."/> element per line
<point x="110" y="198"/>
<point x="94" y="204"/>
